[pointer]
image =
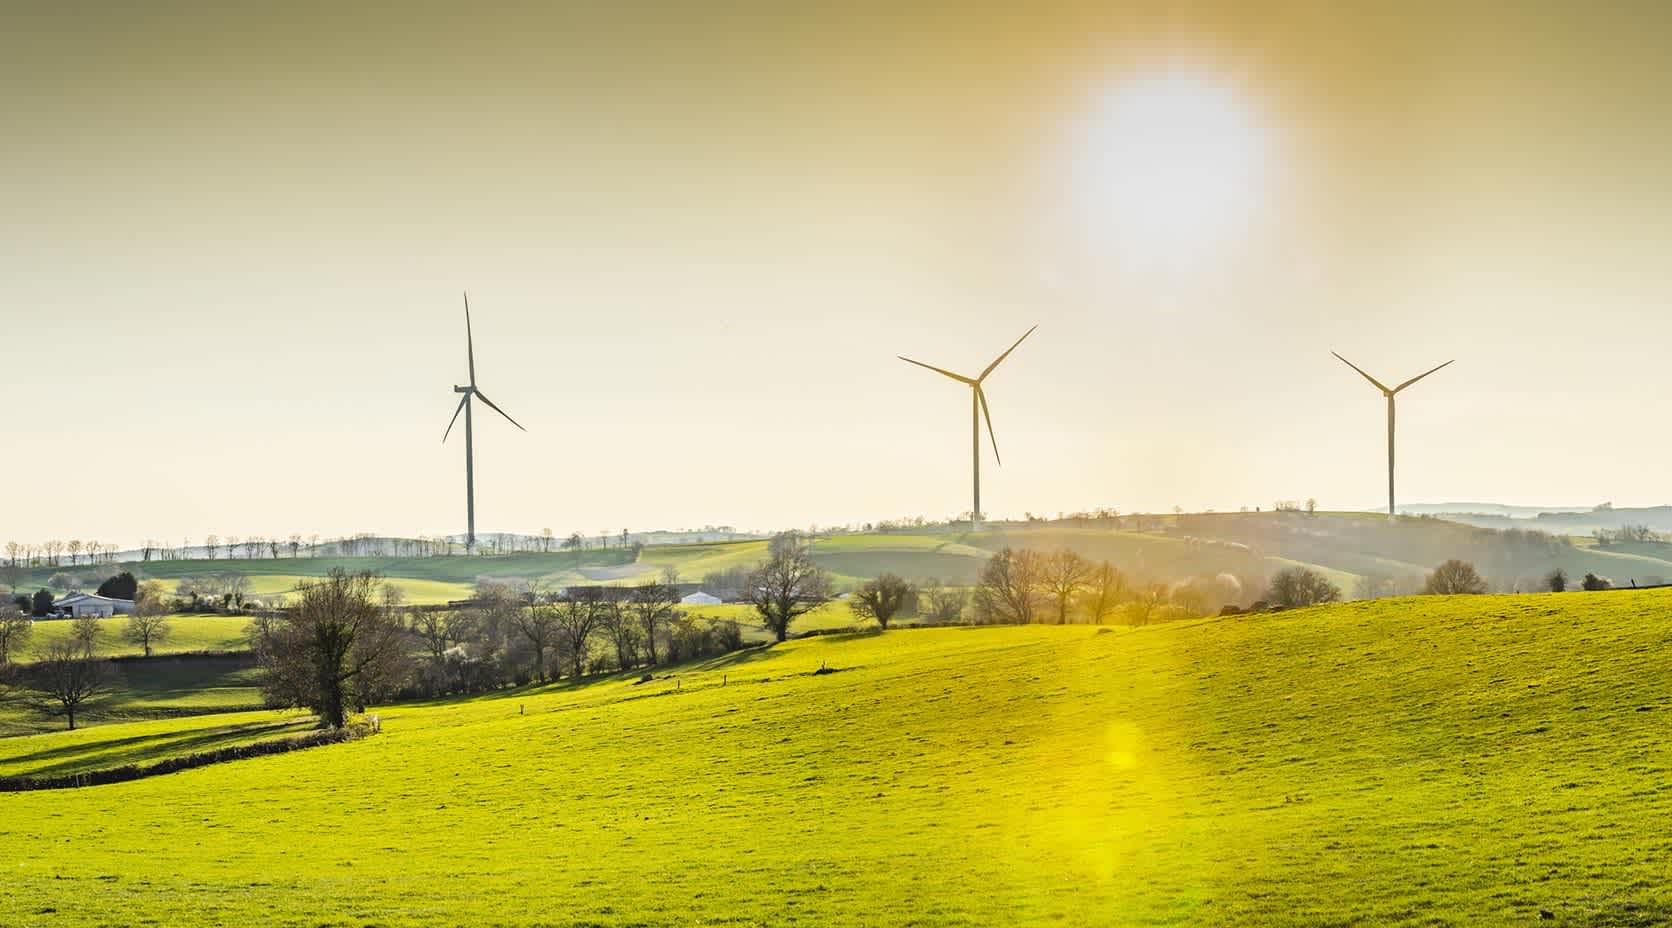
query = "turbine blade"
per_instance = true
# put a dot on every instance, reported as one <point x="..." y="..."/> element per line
<point x="982" y="396"/>
<point x="958" y="377"/>
<point x="469" y="340"/>
<point x="462" y="400"/>
<point x="483" y="398"/>
<point x="1355" y="367"/>
<point x="1006" y="354"/>
<point x="1420" y="376"/>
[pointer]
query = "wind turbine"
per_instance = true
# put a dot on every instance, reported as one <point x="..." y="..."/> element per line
<point x="470" y="392"/>
<point x="978" y="411"/>
<point x="1390" y="394"/>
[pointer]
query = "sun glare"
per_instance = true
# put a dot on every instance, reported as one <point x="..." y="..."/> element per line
<point x="1167" y="168"/>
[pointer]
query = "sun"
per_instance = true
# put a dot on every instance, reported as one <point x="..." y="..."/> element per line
<point x="1167" y="168"/>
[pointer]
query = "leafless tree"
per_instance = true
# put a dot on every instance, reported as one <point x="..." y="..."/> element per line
<point x="537" y="623"/>
<point x="148" y="625"/>
<point x="66" y="679"/>
<point x="881" y="598"/>
<point x="439" y="631"/>
<point x="1147" y="600"/>
<point x="15" y="629"/>
<point x="1301" y="586"/>
<point x="620" y="624"/>
<point x="1008" y="590"/>
<point x="74" y="550"/>
<point x="653" y="606"/>
<point x="1105" y="589"/>
<point x="1064" y="574"/>
<point x="1454" y="577"/>
<point x="939" y="603"/>
<point x="578" y="615"/>
<point x="337" y="645"/>
<point x="786" y="586"/>
<point x="86" y="632"/>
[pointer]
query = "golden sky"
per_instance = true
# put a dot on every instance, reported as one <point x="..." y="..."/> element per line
<point x="233" y="242"/>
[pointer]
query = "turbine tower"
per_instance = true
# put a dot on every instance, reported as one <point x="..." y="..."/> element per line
<point x="978" y="411"/>
<point x="470" y="392"/>
<point x="1390" y="394"/>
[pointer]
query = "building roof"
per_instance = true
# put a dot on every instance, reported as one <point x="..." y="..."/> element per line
<point x="74" y="598"/>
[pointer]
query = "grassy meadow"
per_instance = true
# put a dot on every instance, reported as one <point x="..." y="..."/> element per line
<point x="155" y="689"/>
<point x="186" y="633"/>
<point x="1431" y="761"/>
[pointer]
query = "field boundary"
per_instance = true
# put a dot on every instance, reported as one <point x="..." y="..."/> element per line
<point x="352" y="732"/>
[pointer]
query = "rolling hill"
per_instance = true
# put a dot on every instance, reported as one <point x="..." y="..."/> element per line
<point x="1417" y="761"/>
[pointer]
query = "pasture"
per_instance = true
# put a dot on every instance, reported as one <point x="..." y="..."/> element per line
<point x="186" y="633"/>
<point x="1422" y="761"/>
<point x="159" y="688"/>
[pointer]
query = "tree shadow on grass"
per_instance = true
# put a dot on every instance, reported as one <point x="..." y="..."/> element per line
<point x="142" y="748"/>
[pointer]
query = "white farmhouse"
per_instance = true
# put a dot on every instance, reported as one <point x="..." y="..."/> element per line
<point x="77" y="605"/>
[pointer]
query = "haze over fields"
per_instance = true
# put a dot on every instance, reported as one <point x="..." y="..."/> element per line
<point x="237" y="238"/>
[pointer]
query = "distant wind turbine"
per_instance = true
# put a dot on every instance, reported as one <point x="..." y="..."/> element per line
<point x="978" y="411"/>
<point x="1390" y="394"/>
<point x="469" y="443"/>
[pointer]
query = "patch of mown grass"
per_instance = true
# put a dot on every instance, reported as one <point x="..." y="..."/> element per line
<point x="1467" y="760"/>
<point x="149" y="689"/>
<point x="187" y="633"/>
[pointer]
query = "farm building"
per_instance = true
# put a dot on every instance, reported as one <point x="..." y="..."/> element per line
<point x="699" y="598"/>
<point x="76" y="605"/>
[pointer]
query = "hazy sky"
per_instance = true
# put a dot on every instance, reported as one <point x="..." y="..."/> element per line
<point x="232" y="244"/>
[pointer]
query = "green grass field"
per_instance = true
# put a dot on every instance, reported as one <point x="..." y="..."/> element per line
<point x="151" y="690"/>
<point x="416" y="591"/>
<point x="1420" y="762"/>
<point x="186" y="633"/>
<point x="108" y="746"/>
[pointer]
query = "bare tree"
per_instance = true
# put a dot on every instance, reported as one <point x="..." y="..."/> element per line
<point x="67" y="678"/>
<point x="939" y="603"/>
<point x="86" y="631"/>
<point x="1064" y="575"/>
<point x="653" y="606"/>
<point x="1147" y="601"/>
<point x="881" y="598"/>
<point x="323" y="653"/>
<point x="577" y="620"/>
<point x="1454" y="577"/>
<point x="1008" y="590"/>
<point x="620" y="623"/>
<point x="439" y="631"/>
<point x="74" y="549"/>
<point x="15" y="629"/>
<point x="148" y="625"/>
<point x="786" y="586"/>
<point x="1301" y="586"/>
<point x="1105" y="588"/>
<point x="1375" y="586"/>
<point x="537" y="623"/>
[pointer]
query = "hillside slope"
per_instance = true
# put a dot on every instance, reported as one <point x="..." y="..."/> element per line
<point x="1428" y="761"/>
